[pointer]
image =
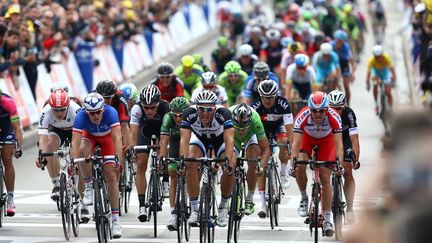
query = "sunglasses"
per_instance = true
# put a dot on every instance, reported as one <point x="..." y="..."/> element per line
<point x="58" y="110"/>
<point x="233" y="75"/>
<point x="337" y="108"/>
<point x="260" y="79"/>
<point x="92" y="113"/>
<point x="150" y="107"/>
<point x="268" y="97"/>
<point x="317" y="111"/>
<point x="177" y="115"/>
<point x="204" y="108"/>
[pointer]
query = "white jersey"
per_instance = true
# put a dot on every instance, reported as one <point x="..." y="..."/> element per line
<point x="48" y="118"/>
<point x="296" y="77"/>
<point x="219" y="91"/>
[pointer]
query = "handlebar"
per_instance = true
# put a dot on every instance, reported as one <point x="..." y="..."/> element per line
<point x="314" y="164"/>
<point x="142" y="148"/>
<point x="44" y="161"/>
<point x="95" y="157"/>
<point x="257" y="161"/>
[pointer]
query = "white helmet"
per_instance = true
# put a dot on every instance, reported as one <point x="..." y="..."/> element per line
<point x="336" y="98"/>
<point x="206" y="97"/>
<point x="326" y="48"/>
<point x="150" y="95"/>
<point x="93" y="102"/>
<point x="245" y="50"/>
<point x="273" y="34"/>
<point x="377" y="50"/>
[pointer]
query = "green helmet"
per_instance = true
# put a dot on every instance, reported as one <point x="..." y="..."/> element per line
<point x="222" y="42"/>
<point x="179" y="104"/>
<point x="232" y="67"/>
<point x="198" y="59"/>
<point x="307" y="15"/>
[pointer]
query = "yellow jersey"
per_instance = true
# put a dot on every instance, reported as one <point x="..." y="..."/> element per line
<point x="384" y="62"/>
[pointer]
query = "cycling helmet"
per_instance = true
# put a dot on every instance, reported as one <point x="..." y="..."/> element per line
<point x="208" y="78"/>
<point x="129" y="90"/>
<point x="93" y="102"/>
<point x="187" y="61"/>
<point x="273" y="34"/>
<point x="340" y="35"/>
<point x="206" y="97"/>
<point x="150" y="95"/>
<point x="267" y="88"/>
<point x="222" y="42"/>
<point x="107" y="88"/>
<point x="286" y="41"/>
<point x="255" y="30"/>
<point x="179" y="104"/>
<point x="232" y="67"/>
<point x="59" y="85"/>
<point x="318" y="100"/>
<point x="242" y="115"/>
<point x="245" y="50"/>
<point x="59" y="99"/>
<point x="165" y="69"/>
<point x="326" y="48"/>
<point x="336" y="98"/>
<point x="347" y="8"/>
<point x="294" y="47"/>
<point x="198" y="59"/>
<point x="261" y="70"/>
<point x="301" y="60"/>
<point x="377" y="50"/>
<point x="307" y="15"/>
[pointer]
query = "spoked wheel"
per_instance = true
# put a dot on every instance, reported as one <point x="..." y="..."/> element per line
<point x="239" y="207"/>
<point x="75" y="212"/>
<point x="155" y="202"/>
<point x="183" y="228"/>
<point x="65" y="206"/>
<point x="232" y="214"/>
<point x="207" y="210"/>
<point x="316" y="212"/>
<point x="100" y="209"/>
<point x="338" y="207"/>
<point x="270" y="194"/>
<point x="277" y="197"/>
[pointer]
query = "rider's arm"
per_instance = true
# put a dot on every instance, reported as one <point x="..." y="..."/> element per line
<point x="123" y="115"/>
<point x="295" y="149"/>
<point x="136" y="114"/>
<point x="185" y="135"/>
<point x="117" y="140"/>
<point x="265" y="150"/>
<point x="339" y="145"/>
<point x="353" y="132"/>
<point x="229" y="146"/>
<point x="10" y="106"/>
<point x="288" y="80"/>
<point x="75" y="145"/>
<point x="165" y="135"/>
<point x="247" y="93"/>
<point x="16" y="125"/>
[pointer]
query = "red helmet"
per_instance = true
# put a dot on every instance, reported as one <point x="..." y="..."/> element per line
<point x="59" y="99"/>
<point x="318" y="100"/>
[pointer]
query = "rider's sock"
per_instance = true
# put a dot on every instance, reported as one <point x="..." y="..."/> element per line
<point x="350" y="206"/>
<point x="262" y="198"/>
<point x="115" y="214"/>
<point x="55" y="181"/>
<point x="283" y="170"/>
<point x="10" y="196"/>
<point x="250" y="196"/>
<point x="88" y="183"/>
<point x="173" y="211"/>
<point x="141" y="199"/>
<point x="304" y="195"/>
<point x="224" y="202"/>
<point x="194" y="204"/>
<point x="165" y="178"/>
<point x="328" y="216"/>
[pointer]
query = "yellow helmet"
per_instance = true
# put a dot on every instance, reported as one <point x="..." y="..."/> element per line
<point x="187" y="61"/>
<point x="347" y="8"/>
<point x="295" y="47"/>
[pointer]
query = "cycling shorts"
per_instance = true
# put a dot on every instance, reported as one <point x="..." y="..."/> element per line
<point x="322" y="74"/>
<point x="61" y="134"/>
<point x="144" y="140"/>
<point x="348" y="154"/>
<point x="383" y="74"/>
<point x="303" y="89"/>
<point x="106" y="142"/>
<point x="7" y="134"/>
<point x="174" y="151"/>
<point x="217" y="143"/>
<point x="345" y="68"/>
<point x="252" y="140"/>
<point x="326" y="147"/>
<point x="278" y="133"/>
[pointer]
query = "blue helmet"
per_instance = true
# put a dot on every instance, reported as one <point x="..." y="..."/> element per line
<point x="340" y="35"/>
<point x="301" y="60"/>
<point x="129" y="91"/>
<point x="318" y="100"/>
<point x="93" y="102"/>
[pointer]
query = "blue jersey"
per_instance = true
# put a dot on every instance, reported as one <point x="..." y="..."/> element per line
<point x="109" y="120"/>
<point x="318" y="61"/>
<point x="344" y="53"/>
<point x="251" y="87"/>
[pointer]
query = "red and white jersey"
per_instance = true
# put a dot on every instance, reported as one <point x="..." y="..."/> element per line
<point x="304" y="123"/>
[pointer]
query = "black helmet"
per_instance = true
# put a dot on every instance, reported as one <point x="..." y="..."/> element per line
<point x="165" y="69"/>
<point x="107" y="88"/>
<point x="150" y="95"/>
<point x="267" y="88"/>
<point x="261" y="70"/>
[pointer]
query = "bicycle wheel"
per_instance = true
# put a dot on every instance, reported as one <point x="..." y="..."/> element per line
<point x="232" y="213"/>
<point x="127" y="191"/>
<point x="122" y="190"/>
<point x="203" y="214"/>
<point x="212" y="216"/>
<point x="239" y="209"/>
<point x="338" y="210"/>
<point x="75" y="211"/>
<point x="277" y="196"/>
<point x="65" y="206"/>
<point x="183" y="228"/>
<point x="316" y="210"/>
<point x="154" y="203"/>
<point x="2" y="196"/>
<point x="270" y="194"/>
<point x="99" y="212"/>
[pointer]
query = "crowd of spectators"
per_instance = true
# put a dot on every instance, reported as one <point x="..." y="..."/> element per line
<point x="37" y="31"/>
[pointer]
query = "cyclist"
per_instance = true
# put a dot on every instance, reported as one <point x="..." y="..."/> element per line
<point x="206" y="124"/>
<point x="169" y="144"/>
<point x="98" y="123"/>
<point x="130" y="92"/>
<point x="288" y="56"/>
<point x="55" y="126"/>
<point x="62" y="85"/>
<point x="221" y="55"/>
<point x="380" y="67"/>
<point x="233" y="80"/>
<point x="342" y="49"/>
<point x="169" y="84"/>
<point x="249" y="130"/>
<point x="351" y="24"/>
<point x="189" y="73"/>
<point x="10" y="131"/>
<point x="246" y="58"/>
<point x="276" y="116"/>
<point x="261" y="71"/>
<point x="208" y="82"/>
<point x="378" y="16"/>
<point x="326" y="65"/>
<point x="317" y="125"/>
<point x="272" y="52"/>
<point x="351" y="146"/>
<point x="199" y="60"/>
<point x="146" y="121"/>
<point x="299" y="78"/>
<point x="255" y="39"/>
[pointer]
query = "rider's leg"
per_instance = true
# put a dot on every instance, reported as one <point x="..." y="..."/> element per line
<point x="388" y="92"/>
<point x="252" y="152"/>
<point x="347" y="81"/>
<point x="192" y="177"/>
<point x="53" y="164"/>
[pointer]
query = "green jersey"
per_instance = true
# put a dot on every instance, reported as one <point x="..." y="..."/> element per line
<point x="191" y="80"/>
<point x="169" y="126"/>
<point x="233" y="90"/>
<point x="255" y="128"/>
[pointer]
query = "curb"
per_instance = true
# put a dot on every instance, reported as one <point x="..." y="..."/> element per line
<point x="140" y="80"/>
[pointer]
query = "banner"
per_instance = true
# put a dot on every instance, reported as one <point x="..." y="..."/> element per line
<point x="117" y="45"/>
<point x="85" y="61"/>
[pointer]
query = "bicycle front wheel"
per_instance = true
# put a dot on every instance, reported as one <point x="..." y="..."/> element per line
<point x="338" y="210"/>
<point x="270" y="195"/>
<point x="232" y="213"/>
<point x="75" y="211"/>
<point x="99" y="211"/>
<point x="65" y="206"/>
<point x="316" y="222"/>
<point x="239" y="209"/>
<point x="183" y="229"/>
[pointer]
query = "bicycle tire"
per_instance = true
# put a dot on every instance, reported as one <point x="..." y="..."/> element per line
<point x="65" y="206"/>
<point x="232" y="213"/>
<point x="154" y="203"/>
<point x="203" y="215"/>
<point x="186" y="211"/>
<point x="130" y="185"/>
<point x="179" y="209"/>
<point x="2" y="196"/>
<point x="212" y="227"/>
<point x="337" y="207"/>
<point x="316" y="211"/>
<point x="277" y="197"/>
<point x="270" y="194"/>
<point x="99" y="212"/>
<point x="123" y="188"/>
<point x="239" y="209"/>
<point x="75" y="212"/>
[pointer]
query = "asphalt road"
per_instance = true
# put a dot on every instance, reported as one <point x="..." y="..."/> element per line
<point x="37" y="218"/>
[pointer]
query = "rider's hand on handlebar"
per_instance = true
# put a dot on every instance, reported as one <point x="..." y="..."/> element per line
<point x="18" y="153"/>
<point x="368" y="86"/>
<point x="38" y="163"/>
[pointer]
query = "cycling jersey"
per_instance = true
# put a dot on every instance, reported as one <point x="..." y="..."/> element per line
<point x="276" y="117"/>
<point x="48" y="119"/>
<point x="294" y="76"/>
<point x="349" y="128"/>
<point x="256" y="45"/>
<point x="219" y="91"/>
<point x="251" y="88"/>
<point x="247" y="67"/>
<point x="379" y="64"/>
<point x="233" y="90"/>
<point x="169" y="127"/>
<point x="174" y="89"/>
<point x="119" y="103"/>
<point x="220" y="60"/>
<point x="191" y="80"/>
<point x="8" y="114"/>
<point x="324" y="68"/>
<point x="273" y="54"/>
<point x="149" y="126"/>
<point x="344" y="52"/>
<point x="255" y="128"/>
